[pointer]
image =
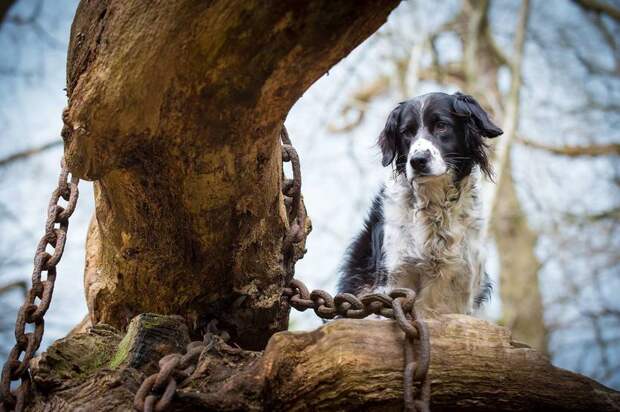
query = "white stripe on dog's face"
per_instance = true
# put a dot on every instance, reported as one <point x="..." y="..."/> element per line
<point x="436" y="165"/>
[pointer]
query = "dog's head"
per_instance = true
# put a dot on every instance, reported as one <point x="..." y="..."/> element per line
<point x="436" y="133"/>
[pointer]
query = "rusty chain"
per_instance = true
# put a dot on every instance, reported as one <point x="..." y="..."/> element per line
<point x="157" y="391"/>
<point x="39" y="296"/>
<point x="291" y="188"/>
<point x="398" y="305"/>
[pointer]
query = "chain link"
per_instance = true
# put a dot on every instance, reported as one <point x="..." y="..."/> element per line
<point x="32" y="312"/>
<point x="291" y="188"/>
<point x="398" y="305"/>
<point x="157" y="391"/>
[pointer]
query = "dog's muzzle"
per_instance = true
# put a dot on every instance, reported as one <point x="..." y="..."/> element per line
<point x="420" y="161"/>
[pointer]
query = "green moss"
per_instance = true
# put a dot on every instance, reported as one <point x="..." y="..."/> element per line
<point x="77" y="357"/>
<point x="122" y="351"/>
<point x="150" y="321"/>
<point x="143" y="321"/>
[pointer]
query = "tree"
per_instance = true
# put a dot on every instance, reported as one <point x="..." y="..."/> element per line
<point x="175" y="110"/>
<point x="184" y="141"/>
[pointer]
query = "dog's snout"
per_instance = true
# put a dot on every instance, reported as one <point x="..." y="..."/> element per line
<point x="419" y="161"/>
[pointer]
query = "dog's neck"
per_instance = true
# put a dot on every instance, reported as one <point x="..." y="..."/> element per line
<point x="439" y="198"/>
<point x="440" y="193"/>
<point x="434" y="215"/>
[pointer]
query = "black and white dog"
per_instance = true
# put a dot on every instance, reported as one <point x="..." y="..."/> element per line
<point x="423" y="228"/>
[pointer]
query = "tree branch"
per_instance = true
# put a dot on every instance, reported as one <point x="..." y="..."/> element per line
<point x="600" y="7"/>
<point x="5" y="5"/>
<point x="511" y="119"/>
<point x="611" y="149"/>
<point x="18" y="284"/>
<point x="29" y="152"/>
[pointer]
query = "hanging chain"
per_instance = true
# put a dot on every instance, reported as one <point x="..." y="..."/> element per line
<point x="398" y="304"/>
<point x="291" y="188"/>
<point x="39" y="296"/>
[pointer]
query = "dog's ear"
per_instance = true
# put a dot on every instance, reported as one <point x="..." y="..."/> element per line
<point x="468" y="106"/>
<point x="389" y="135"/>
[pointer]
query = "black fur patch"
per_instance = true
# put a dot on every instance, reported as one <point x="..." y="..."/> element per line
<point x="363" y="264"/>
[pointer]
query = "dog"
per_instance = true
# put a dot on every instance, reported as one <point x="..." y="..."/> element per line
<point x="423" y="228"/>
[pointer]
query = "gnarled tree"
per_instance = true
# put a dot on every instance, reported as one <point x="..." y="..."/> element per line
<point x="175" y="110"/>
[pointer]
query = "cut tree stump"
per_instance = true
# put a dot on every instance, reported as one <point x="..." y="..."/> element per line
<point x="343" y="365"/>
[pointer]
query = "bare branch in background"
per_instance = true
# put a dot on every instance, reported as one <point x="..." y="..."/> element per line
<point x="33" y="22"/>
<point x="511" y="119"/>
<point x="29" y="152"/>
<point x="611" y="149"/>
<point x="358" y="103"/>
<point x="33" y="17"/>
<point x="598" y="6"/>
<point x="613" y="214"/>
<point x="20" y="284"/>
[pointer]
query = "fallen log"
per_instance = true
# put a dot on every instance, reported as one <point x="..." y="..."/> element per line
<point x="344" y="365"/>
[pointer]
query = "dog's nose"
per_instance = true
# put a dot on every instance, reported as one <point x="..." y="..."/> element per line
<point x="420" y="160"/>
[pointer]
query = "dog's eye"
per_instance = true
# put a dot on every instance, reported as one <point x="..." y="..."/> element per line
<point x="441" y="126"/>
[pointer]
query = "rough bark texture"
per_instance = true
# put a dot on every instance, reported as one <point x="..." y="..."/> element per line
<point x="175" y="109"/>
<point x="344" y="365"/>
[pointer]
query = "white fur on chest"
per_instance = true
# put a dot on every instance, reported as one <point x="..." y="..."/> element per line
<point x="431" y="244"/>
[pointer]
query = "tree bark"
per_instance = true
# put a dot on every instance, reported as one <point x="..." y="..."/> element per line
<point x="174" y="111"/>
<point x="344" y="365"/>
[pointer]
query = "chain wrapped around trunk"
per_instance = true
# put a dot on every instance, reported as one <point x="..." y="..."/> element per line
<point x="32" y="312"/>
<point x="398" y="305"/>
<point x="157" y="391"/>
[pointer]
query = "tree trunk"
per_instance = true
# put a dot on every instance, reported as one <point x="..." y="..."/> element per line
<point x="175" y="109"/>
<point x="344" y="365"/>
<point x="522" y="309"/>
